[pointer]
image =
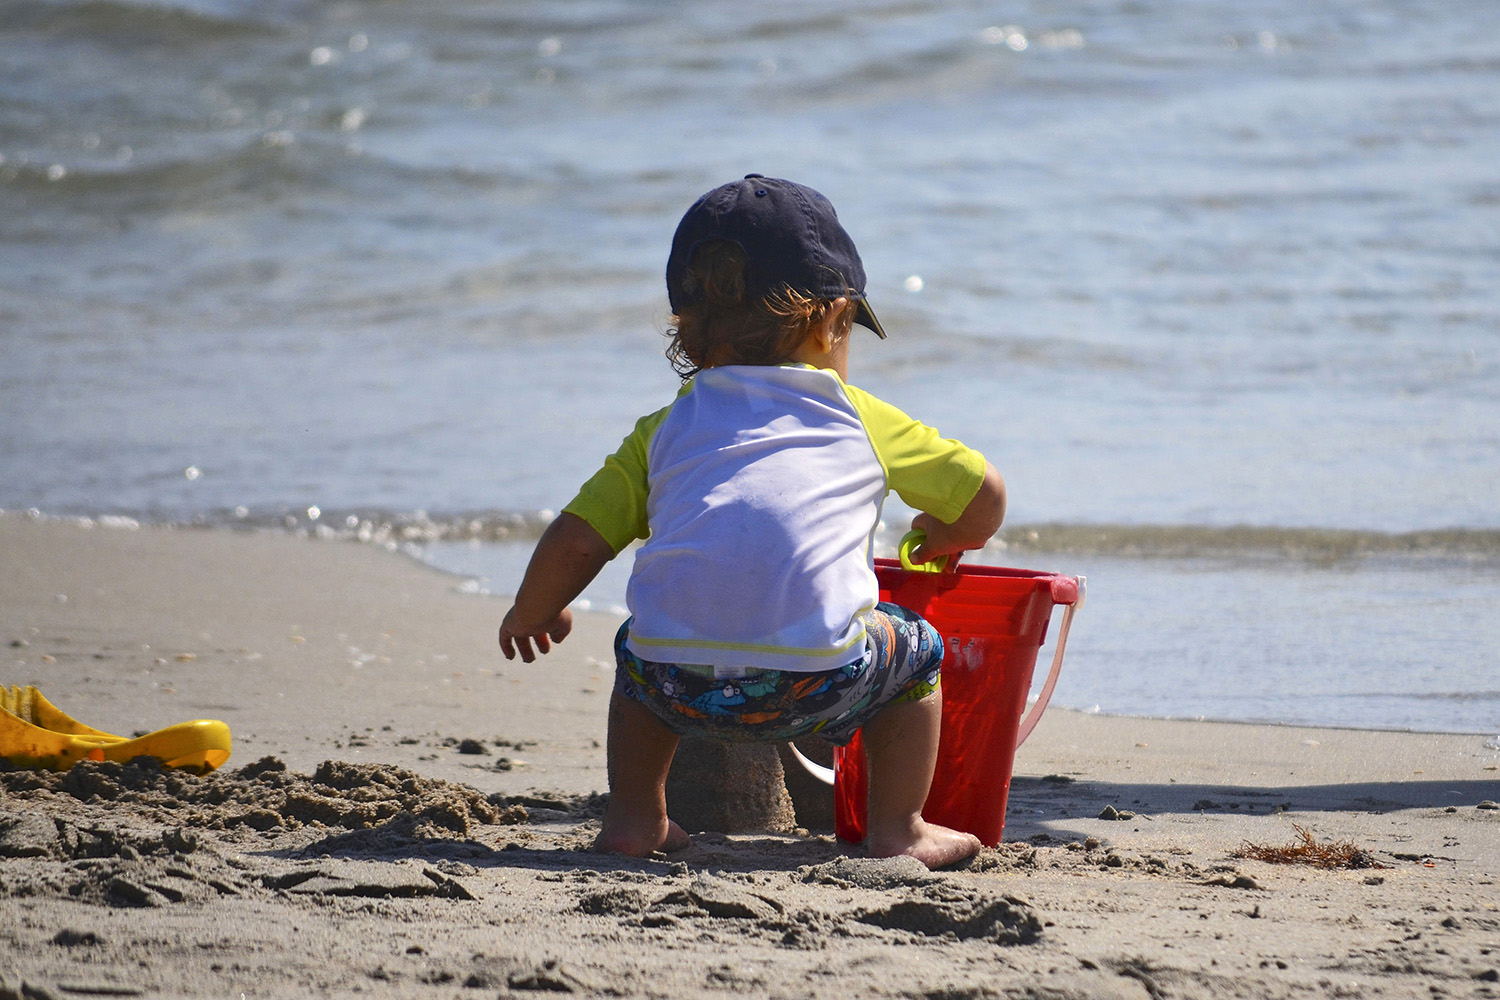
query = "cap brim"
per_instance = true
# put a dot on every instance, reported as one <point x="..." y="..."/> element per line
<point x="865" y="316"/>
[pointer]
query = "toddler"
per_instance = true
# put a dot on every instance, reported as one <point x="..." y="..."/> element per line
<point x="753" y="601"/>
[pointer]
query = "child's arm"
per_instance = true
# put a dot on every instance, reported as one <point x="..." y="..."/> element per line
<point x="568" y="557"/>
<point x="978" y="522"/>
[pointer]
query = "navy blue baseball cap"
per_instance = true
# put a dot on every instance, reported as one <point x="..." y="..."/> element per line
<point x="790" y="234"/>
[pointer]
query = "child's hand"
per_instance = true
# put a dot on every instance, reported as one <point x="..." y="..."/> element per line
<point x="570" y="554"/>
<point x="937" y="541"/>
<point x="514" y="637"/>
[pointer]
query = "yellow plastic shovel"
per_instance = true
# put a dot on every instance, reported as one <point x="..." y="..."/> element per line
<point x="36" y="733"/>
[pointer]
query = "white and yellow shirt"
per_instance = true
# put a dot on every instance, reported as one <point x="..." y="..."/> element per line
<point x="758" y="491"/>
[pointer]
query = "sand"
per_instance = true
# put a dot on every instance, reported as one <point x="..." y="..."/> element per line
<point x="406" y="814"/>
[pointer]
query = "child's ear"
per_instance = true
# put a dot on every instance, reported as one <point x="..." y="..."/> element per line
<point x="825" y="332"/>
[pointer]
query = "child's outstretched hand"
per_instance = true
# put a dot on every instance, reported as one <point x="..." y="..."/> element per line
<point x="517" y="638"/>
<point x="569" y="555"/>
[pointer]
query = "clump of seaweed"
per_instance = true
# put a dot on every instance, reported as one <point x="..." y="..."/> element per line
<point x="1306" y="850"/>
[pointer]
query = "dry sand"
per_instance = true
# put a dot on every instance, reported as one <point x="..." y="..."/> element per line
<point x="357" y="844"/>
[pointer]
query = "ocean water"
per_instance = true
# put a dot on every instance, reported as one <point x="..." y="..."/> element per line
<point x="1213" y="285"/>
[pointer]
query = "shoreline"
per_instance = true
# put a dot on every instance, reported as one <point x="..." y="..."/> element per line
<point x="473" y="580"/>
<point x="1121" y="874"/>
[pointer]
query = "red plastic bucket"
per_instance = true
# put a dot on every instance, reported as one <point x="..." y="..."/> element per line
<point x="993" y="622"/>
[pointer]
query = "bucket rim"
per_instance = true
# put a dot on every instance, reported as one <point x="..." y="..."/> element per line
<point x="1064" y="587"/>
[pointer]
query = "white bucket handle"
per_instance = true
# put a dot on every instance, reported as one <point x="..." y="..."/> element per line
<point x="823" y="774"/>
<point x="1035" y="715"/>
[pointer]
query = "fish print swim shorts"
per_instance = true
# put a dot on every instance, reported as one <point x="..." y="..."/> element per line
<point x="902" y="661"/>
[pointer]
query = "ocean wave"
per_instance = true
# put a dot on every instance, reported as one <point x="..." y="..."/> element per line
<point x="1308" y="544"/>
<point x="1146" y="541"/>
<point x="263" y="163"/>
<point x="1444" y="695"/>
<point x="122" y="22"/>
<point x="251" y="164"/>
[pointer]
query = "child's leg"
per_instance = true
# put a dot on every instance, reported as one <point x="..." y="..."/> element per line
<point x="901" y="744"/>
<point x="639" y="754"/>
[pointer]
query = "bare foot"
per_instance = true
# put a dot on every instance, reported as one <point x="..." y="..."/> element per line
<point x="624" y="838"/>
<point x="935" y="846"/>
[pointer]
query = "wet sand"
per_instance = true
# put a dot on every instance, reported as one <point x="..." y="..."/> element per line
<point x="406" y="814"/>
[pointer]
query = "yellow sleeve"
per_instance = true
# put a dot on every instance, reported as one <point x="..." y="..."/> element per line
<point x="613" y="500"/>
<point x="929" y="472"/>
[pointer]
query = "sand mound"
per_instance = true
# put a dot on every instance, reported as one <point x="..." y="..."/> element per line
<point x="264" y="795"/>
<point x="138" y="835"/>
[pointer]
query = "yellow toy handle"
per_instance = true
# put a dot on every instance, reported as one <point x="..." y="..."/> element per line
<point x="910" y="541"/>
<point x="36" y="733"/>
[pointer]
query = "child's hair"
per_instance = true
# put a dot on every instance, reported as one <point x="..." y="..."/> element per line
<point x="721" y="325"/>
